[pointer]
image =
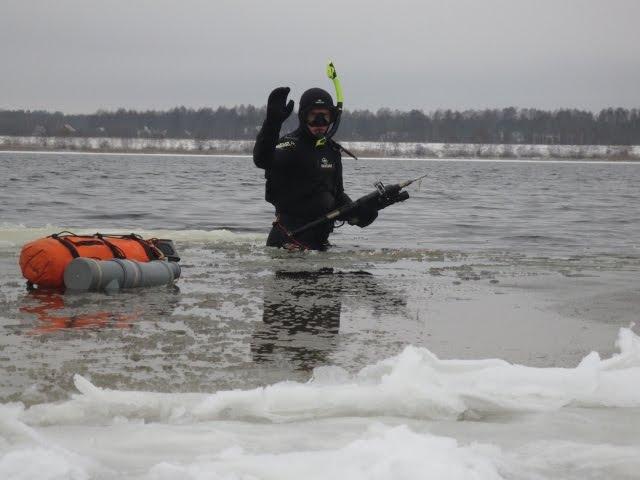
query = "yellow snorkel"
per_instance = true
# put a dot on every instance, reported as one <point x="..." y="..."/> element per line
<point x="333" y="76"/>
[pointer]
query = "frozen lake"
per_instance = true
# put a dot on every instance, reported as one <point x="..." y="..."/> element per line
<point x="451" y="338"/>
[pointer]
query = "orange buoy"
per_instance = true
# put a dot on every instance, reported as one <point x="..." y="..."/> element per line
<point x="43" y="261"/>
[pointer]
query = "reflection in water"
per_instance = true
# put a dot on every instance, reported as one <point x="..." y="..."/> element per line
<point x="301" y="314"/>
<point x="56" y="311"/>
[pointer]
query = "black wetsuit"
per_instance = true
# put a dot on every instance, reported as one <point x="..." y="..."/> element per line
<point x="304" y="181"/>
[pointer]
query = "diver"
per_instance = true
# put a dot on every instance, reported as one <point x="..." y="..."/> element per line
<point x="303" y="170"/>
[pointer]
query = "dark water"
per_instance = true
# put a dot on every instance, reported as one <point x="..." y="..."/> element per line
<point x="537" y="207"/>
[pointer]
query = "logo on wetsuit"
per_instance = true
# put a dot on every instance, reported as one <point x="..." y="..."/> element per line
<point x="324" y="163"/>
<point x="286" y="144"/>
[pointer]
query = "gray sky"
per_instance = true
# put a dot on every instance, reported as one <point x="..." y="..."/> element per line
<point x="82" y="55"/>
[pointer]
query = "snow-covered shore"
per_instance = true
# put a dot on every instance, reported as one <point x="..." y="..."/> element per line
<point x="365" y="149"/>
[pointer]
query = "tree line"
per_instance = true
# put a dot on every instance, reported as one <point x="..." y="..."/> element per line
<point x="610" y="126"/>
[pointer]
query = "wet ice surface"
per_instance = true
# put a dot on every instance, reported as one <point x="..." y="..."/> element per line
<point x="244" y="316"/>
<point x="209" y="380"/>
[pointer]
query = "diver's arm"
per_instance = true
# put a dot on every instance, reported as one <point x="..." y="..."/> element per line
<point x="341" y="197"/>
<point x="278" y="110"/>
<point x="365" y="214"/>
<point x="264" y="149"/>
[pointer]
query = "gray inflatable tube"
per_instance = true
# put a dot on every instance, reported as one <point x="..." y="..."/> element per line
<point x="87" y="274"/>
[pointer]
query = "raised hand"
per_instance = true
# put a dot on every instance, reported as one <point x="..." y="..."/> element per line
<point x="277" y="108"/>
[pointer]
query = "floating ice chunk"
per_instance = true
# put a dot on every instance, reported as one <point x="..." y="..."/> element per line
<point x="383" y="453"/>
<point x="40" y="463"/>
<point x="414" y="384"/>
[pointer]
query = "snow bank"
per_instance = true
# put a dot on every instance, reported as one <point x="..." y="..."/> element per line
<point x="373" y="149"/>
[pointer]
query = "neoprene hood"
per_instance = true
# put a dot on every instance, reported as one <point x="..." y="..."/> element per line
<point x="315" y="98"/>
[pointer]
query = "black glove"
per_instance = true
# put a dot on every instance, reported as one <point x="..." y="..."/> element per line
<point x="277" y="108"/>
<point x="364" y="216"/>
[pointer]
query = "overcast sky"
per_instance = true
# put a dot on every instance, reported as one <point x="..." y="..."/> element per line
<point x="82" y="55"/>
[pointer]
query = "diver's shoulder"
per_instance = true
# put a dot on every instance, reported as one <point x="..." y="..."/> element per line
<point x="288" y="141"/>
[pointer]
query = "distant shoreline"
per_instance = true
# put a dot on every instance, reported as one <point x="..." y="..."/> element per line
<point x="394" y="159"/>
<point x="369" y="150"/>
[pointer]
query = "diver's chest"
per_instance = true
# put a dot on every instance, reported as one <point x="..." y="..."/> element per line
<point x="323" y="163"/>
